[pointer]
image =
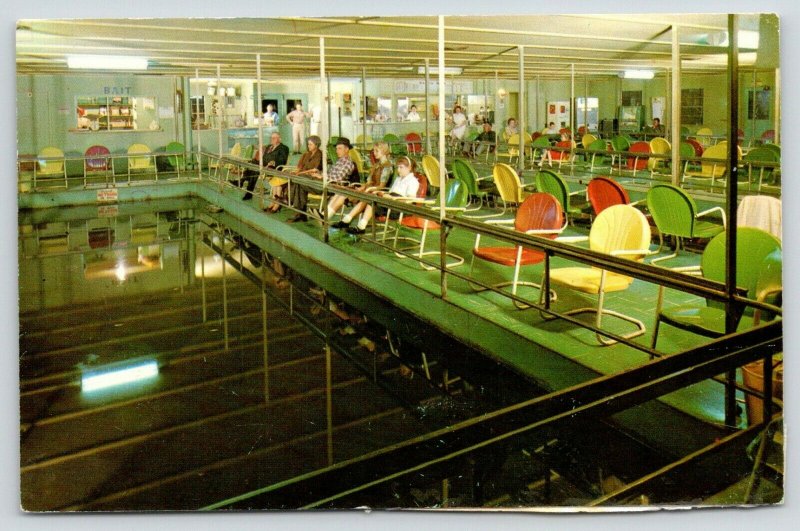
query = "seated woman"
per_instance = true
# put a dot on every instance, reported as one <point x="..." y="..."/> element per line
<point x="310" y="163"/>
<point x="404" y="185"/>
<point x="548" y="155"/>
<point x="379" y="176"/>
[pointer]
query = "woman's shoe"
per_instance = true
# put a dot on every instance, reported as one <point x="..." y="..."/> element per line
<point x="355" y="230"/>
<point x="340" y="225"/>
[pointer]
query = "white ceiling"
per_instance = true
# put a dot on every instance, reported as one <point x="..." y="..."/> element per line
<point x="385" y="46"/>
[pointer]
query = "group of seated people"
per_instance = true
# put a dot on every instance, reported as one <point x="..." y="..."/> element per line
<point x="343" y="172"/>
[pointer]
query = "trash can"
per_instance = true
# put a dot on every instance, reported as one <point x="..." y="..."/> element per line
<point x="753" y="375"/>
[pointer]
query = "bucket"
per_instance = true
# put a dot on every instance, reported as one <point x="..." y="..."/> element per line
<point x="753" y="374"/>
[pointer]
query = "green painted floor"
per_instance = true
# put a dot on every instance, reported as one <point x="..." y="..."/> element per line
<point x="704" y="401"/>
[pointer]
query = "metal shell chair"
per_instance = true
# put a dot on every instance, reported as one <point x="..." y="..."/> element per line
<point x="620" y="230"/>
<point x="605" y="192"/>
<point x="550" y="182"/>
<point x="455" y="201"/>
<point x="51" y="163"/>
<point x="704" y="135"/>
<point x="566" y="155"/>
<point x="640" y="160"/>
<point x="177" y="158"/>
<point x="464" y="171"/>
<point x="140" y="158"/>
<point x="752" y="160"/>
<point x="355" y="156"/>
<point x="396" y="146"/>
<point x="540" y="214"/>
<point x="758" y="270"/>
<point x="512" y="149"/>
<point x="538" y="146"/>
<point x="509" y="187"/>
<point x="97" y="159"/>
<point x="430" y="166"/>
<point x="675" y="213"/>
<point x="713" y="164"/>
<point x="598" y="145"/>
<point x="658" y="146"/>
<point x="619" y="144"/>
<point x="413" y="143"/>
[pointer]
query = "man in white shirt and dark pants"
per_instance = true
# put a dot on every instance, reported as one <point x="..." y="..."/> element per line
<point x="298" y="120"/>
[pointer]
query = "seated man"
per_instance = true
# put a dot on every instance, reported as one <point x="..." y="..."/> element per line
<point x="486" y="140"/>
<point x="274" y="155"/>
<point x="343" y="171"/>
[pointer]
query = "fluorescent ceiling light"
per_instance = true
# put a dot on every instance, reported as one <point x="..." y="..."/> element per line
<point x="747" y="39"/>
<point x="102" y="379"/>
<point x="449" y="70"/>
<point x="637" y="74"/>
<point x="107" y="62"/>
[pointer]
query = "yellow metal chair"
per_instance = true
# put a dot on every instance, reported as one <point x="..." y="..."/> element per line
<point x="509" y="187"/>
<point x="355" y="156"/>
<point x="51" y="163"/>
<point x="712" y="164"/>
<point x="430" y="167"/>
<point x="704" y="135"/>
<point x="143" y="162"/>
<point x="512" y="148"/>
<point x="619" y="230"/>
<point x="659" y="146"/>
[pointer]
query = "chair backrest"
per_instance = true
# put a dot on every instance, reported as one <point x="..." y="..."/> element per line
<point x="535" y="135"/>
<point x="550" y="182"/>
<point x="620" y="228"/>
<point x="598" y="145"/>
<point x="355" y="156"/>
<point x="704" y="135"/>
<point x="471" y="137"/>
<point x="753" y="246"/>
<point x="362" y="140"/>
<point x="179" y="150"/>
<point x="236" y="150"/>
<point x="430" y="166"/>
<point x="100" y="163"/>
<point x="456" y="194"/>
<point x="698" y="147"/>
<point x="141" y="162"/>
<point x="332" y="152"/>
<point x="513" y="144"/>
<point x="413" y="143"/>
<point x="775" y="148"/>
<point x="660" y="146"/>
<point x="51" y="166"/>
<point x="564" y="155"/>
<point x="539" y="211"/>
<point x="507" y="182"/>
<point x="177" y="147"/>
<point x="687" y="151"/>
<point x="620" y="143"/>
<point x="464" y="171"/>
<point x="761" y="154"/>
<point x="422" y="190"/>
<point x="396" y="146"/>
<point x="770" y="278"/>
<point x="639" y="162"/>
<point x="673" y="210"/>
<point x="717" y="151"/>
<point x="605" y="192"/>
<point x="587" y="139"/>
<point x="768" y="135"/>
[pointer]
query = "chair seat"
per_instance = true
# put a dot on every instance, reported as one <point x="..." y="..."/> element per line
<point x="703" y="320"/>
<point x="277" y="181"/>
<point x="587" y="279"/>
<point x="508" y="255"/>
<point x="416" y="222"/>
<point x="706" y="229"/>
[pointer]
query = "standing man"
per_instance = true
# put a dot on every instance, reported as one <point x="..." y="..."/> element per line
<point x="298" y="120"/>
<point x="275" y="154"/>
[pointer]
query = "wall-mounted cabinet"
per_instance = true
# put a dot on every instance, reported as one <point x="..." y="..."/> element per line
<point x="116" y="113"/>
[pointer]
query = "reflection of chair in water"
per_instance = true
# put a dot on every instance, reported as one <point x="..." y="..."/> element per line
<point x="51" y="163"/>
<point x="675" y="214"/>
<point x="758" y="270"/>
<point x="540" y="214"/>
<point x="620" y="231"/>
<point x="177" y="159"/>
<point x="140" y="158"/>
<point x="97" y="159"/>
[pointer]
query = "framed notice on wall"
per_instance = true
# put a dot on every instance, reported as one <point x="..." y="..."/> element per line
<point x="658" y="105"/>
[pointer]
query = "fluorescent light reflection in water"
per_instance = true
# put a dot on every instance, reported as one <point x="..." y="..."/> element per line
<point x="111" y="377"/>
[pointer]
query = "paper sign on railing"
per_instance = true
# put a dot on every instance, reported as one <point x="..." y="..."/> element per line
<point x="107" y="195"/>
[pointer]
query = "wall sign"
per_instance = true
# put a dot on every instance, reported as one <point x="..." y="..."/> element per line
<point x="107" y="195"/>
<point x="117" y="91"/>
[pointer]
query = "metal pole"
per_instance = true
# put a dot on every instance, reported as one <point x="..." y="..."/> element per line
<point x="199" y="136"/>
<point x="259" y="123"/>
<point x="777" y="117"/>
<point x="538" y="105"/>
<point x="731" y="313"/>
<point x="676" y="107"/>
<point x="324" y="98"/>
<point x="571" y="97"/>
<point x="330" y="118"/>
<point x="219" y="113"/>
<point x="585" y="104"/>
<point x="442" y="170"/>
<point x="753" y="110"/>
<point x="329" y="402"/>
<point x="364" y="97"/>
<point x="523" y="110"/>
<point x="427" y="107"/>
<point x="203" y="286"/>
<point x="264" y="333"/>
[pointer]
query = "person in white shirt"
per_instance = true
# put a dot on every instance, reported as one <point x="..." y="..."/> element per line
<point x="270" y="117"/>
<point x="511" y="129"/>
<point x="459" y="124"/>
<point x="404" y="185"/>
<point x="413" y="115"/>
<point x="551" y="129"/>
<point x="298" y="120"/>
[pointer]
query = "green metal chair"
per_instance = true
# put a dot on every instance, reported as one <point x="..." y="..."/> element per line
<point x="396" y="146"/>
<point x="538" y="146"/>
<point x="598" y="145"/>
<point x="675" y="214"/>
<point x="758" y="270"/>
<point x="756" y="155"/>
<point x="464" y="171"/>
<point x="455" y="201"/>
<point x="687" y="154"/>
<point x="550" y="182"/>
<point x="619" y="144"/>
<point x="177" y="161"/>
<point x="774" y="148"/>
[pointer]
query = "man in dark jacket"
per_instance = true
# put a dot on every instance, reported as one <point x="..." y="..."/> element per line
<point x="275" y="154"/>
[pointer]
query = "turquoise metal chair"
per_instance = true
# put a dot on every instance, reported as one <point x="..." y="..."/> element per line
<point x="552" y="183"/>
<point x="464" y="171"/>
<point x="758" y="270"/>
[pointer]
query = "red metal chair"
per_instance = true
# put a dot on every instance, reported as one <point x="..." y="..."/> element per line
<point x="414" y="143"/>
<point x="604" y="192"/>
<point x="638" y="162"/>
<point x="539" y="214"/>
<point x="768" y="136"/>
<point x="698" y="147"/>
<point x="561" y="156"/>
<point x="101" y="163"/>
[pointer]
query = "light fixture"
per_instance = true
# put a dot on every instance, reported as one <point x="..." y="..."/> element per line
<point x="502" y="93"/>
<point x="110" y="377"/>
<point x="637" y="74"/>
<point x="448" y="70"/>
<point x="107" y="62"/>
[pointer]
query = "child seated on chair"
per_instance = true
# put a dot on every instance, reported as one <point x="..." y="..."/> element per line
<point x="379" y="176"/>
<point x="404" y="185"/>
